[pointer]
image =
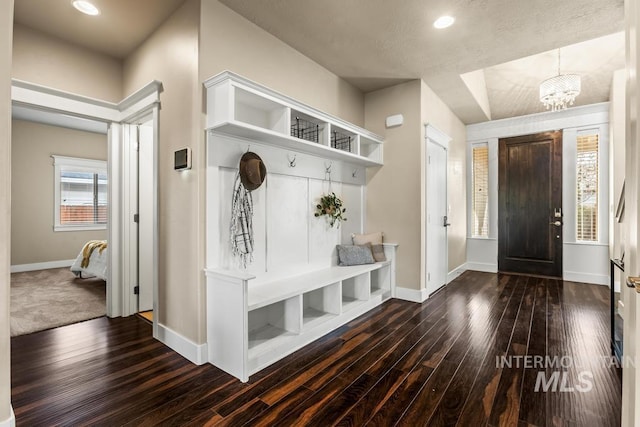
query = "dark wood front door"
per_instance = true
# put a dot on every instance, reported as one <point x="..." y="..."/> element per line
<point x="530" y="202"/>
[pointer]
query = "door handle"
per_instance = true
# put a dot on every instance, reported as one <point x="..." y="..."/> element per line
<point x="556" y="223"/>
<point x="445" y="223"/>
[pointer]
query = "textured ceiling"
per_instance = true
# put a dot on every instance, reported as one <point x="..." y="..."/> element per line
<point x="121" y="26"/>
<point x="513" y="87"/>
<point x="379" y="43"/>
<point x="375" y="43"/>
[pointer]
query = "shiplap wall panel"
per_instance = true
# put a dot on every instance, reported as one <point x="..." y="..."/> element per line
<point x="352" y="196"/>
<point x="322" y="237"/>
<point x="288" y="238"/>
<point x="287" y="222"/>
<point x="227" y="181"/>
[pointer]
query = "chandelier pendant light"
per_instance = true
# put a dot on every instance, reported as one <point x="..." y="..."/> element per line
<point x="559" y="92"/>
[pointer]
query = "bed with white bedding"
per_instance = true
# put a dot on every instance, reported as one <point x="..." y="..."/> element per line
<point x="92" y="260"/>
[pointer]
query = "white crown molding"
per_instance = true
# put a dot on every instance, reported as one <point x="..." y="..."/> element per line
<point x="47" y="100"/>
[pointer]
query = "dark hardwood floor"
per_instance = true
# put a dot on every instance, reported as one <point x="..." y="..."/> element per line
<point x="437" y="363"/>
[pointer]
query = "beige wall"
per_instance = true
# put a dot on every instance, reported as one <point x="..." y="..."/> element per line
<point x="48" y="61"/>
<point x="6" y="26"/>
<point x="393" y="191"/>
<point x="230" y="42"/>
<point x="436" y="113"/>
<point x="32" y="203"/>
<point x="171" y="56"/>
<point x="398" y="183"/>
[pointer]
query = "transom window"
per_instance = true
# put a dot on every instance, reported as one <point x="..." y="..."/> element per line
<point x="80" y="194"/>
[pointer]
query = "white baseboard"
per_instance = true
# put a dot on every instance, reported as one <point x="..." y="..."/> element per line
<point x="413" y="295"/>
<point x="481" y="266"/>
<point x="19" y="268"/>
<point x="195" y="353"/>
<point x="595" y="279"/>
<point x="453" y="274"/>
<point x="9" y="422"/>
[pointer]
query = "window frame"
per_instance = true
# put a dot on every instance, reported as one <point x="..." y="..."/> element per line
<point x="598" y="231"/>
<point x="472" y="193"/>
<point x="61" y="163"/>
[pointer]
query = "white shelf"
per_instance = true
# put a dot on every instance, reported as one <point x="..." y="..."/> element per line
<point x="266" y="338"/>
<point x="266" y="293"/>
<point x="313" y="318"/>
<point x="242" y="108"/>
<point x="349" y="303"/>
<point x="383" y="293"/>
<point x="251" y="132"/>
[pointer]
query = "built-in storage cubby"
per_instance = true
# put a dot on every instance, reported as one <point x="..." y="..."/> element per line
<point x="381" y="282"/>
<point x="370" y="149"/>
<point x="269" y="324"/>
<point x="308" y="128"/>
<point x="258" y="111"/>
<point x="241" y="108"/>
<point x="344" y="140"/>
<point x="355" y="290"/>
<point x="320" y="305"/>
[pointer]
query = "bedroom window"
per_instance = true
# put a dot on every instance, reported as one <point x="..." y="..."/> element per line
<point x="587" y="187"/>
<point x="80" y="194"/>
<point x="480" y="202"/>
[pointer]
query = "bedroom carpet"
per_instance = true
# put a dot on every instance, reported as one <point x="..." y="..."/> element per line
<point x="46" y="299"/>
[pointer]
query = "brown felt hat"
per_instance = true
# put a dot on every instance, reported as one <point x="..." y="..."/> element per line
<point x="252" y="171"/>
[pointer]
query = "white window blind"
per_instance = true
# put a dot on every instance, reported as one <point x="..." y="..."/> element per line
<point x="80" y="194"/>
<point x="587" y="188"/>
<point x="480" y="162"/>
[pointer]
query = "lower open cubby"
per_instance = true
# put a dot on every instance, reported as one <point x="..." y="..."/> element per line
<point x="273" y="324"/>
<point x="320" y="305"/>
<point x="381" y="282"/>
<point x="355" y="291"/>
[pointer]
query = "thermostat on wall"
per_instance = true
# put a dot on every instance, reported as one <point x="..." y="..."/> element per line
<point x="182" y="159"/>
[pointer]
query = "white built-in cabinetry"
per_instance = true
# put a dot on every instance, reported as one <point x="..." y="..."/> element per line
<point x="253" y="323"/>
<point x="241" y="108"/>
<point x="293" y="292"/>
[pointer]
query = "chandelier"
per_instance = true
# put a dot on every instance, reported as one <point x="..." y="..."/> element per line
<point x="557" y="93"/>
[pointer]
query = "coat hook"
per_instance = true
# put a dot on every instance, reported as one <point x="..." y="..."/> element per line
<point x="248" y="148"/>
<point x="292" y="163"/>
<point x="354" y="174"/>
<point x="327" y="169"/>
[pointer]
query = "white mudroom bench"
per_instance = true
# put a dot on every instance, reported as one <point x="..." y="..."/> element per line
<point x="253" y="321"/>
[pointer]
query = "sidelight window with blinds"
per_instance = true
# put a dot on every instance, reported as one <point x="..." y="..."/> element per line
<point x="587" y="187"/>
<point x="80" y="194"/>
<point x="480" y="198"/>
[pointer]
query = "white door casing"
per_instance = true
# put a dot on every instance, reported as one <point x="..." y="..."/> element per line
<point x="436" y="209"/>
<point x="145" y="211"/>
<point x="144" y="102"/>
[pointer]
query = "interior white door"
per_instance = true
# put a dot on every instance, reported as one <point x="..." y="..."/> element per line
<point x="436" y="213"/>
<point x="145" y="216"/>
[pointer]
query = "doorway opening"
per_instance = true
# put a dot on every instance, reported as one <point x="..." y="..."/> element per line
<point x="139" y="109"/>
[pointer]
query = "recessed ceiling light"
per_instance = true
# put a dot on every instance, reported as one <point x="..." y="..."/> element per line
<point x="86" y="7"/>
<point x="444" y="22"/>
